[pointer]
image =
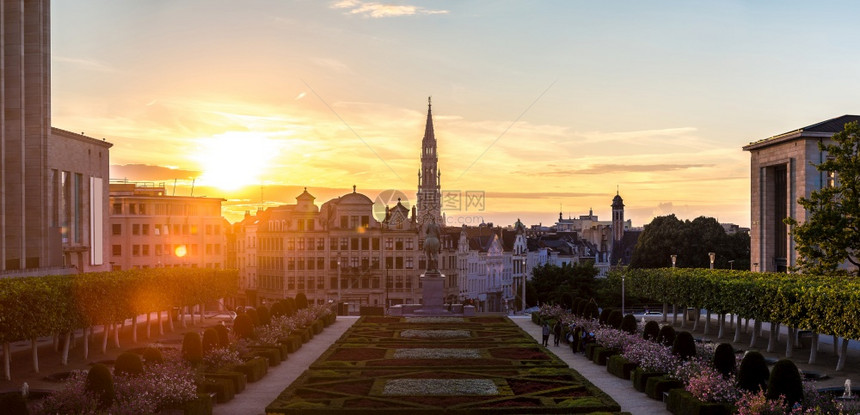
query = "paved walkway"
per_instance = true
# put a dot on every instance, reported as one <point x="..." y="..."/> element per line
<point x="621" y="390"/>
<point x="254" y="399"/>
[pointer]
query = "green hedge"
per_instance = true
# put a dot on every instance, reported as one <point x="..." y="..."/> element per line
<point x="656" y="385"/>
<point x="681" y="402"/>
<point x="620" y="366"/>
<point x="639" y="377"/>
<point x="827" y="305"/>
<point x="69" y="302"/>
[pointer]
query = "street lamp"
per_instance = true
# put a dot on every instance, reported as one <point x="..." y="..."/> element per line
<point x="622" y="294"/>
<point x="731" y="264"/>
<point x="338" y="279"/>
<point x="674" y="259"/>
<point x="712" y="255"/>
<point x="523" y="285"/>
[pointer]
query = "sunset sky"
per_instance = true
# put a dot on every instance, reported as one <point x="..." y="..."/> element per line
<point x="541" y="105"/>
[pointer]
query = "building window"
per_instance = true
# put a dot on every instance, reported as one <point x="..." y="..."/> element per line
<point x="353" y="244"/>
<point x="116" y="250"/>
<point x="375" y="244"/>
<point x="389" y="244"/>
<point x="144" y="229"/>
<point x="311" y="245"/>
<point x="409" y="244"/>
<point x="353" y="222"/>
<point x="344" y="244"/>
<point x="310" y="224"/>
<point x="365" y="221"/>
<point x="409" y="262"/>
<point x="159" y="250"/>
<point x="117" y="209"/>
<point x="145" y="249"/>
<point x="135" y="250"/>
<point x="301" y="244"/>
<point x="116" y="229"/>
<point x="398" y="245"/>
<point x="344" y="222"/>
<point x="132" y="209"/>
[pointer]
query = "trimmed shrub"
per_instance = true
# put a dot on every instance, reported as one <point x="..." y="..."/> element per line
<point x="210" y="340"/>
<point x="681" y="402"/>
<point x="128" y="363"/>
<point x="684" y="345"/>
<point x="620" y="367"/>
<point x="629" y="324"/>
<point x="264" y="315"/>
<point x="604" y="316"/>
<point x="639" y="377"/>
<point x="277" y="309"/>
<point x="566" y="300"/>
<point x="100" y="383"/>
<point x="223" y="335"/>
<point x="243" y="327"/>
<point x="785" y="381"/>
<point x="152" y="355"/>
<point x="290" y="306"/>
<point x="753" y="373"/>
<point x="192" y="348"/>
<point x="666" y="336"/>
<point x="651" y="330"/>
<point x="655" y="386"/>
<point x="724" y="359"/>
<point x="590" y="310"/>
<point x="614" y="319"/>
<point x="580" y="307"/>
<point x="255" y="317"/>
<point x="301" y="301"/>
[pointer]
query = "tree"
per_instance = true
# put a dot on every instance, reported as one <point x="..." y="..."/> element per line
<point x="831" y="234"/>
<point x="550" y="282"/>
<point x="691" y="241"/>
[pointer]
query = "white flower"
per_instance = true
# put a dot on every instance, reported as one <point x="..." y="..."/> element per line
<point x="440" y="387"/>
<point x="423" y="353"/>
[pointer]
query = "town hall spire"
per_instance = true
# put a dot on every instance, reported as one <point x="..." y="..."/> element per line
<point x="429" y="177"/>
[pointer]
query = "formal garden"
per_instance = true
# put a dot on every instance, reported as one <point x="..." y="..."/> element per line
<point x="431" y="365"/>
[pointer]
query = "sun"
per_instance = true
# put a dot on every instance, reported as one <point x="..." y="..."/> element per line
<point x="235" y="159"/>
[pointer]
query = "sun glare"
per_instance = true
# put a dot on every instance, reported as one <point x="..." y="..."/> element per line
<point x="180" y="251"/>
<point x="235" y="159"/>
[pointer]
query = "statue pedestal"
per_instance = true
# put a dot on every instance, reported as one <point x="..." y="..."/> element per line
<point x="433" y="294"/>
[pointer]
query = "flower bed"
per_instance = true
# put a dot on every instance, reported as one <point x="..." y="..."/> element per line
<point x="429" y="375"/>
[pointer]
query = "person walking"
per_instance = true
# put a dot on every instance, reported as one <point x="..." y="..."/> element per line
<point x="545" y="333"/>
<point x="556" y="331"/>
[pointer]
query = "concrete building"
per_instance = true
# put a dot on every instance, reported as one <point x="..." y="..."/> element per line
<point x="782" y="170"/>
<point x="53" y="194"/>
<point x="79" y="170"/>
<point x="149" y="229"/>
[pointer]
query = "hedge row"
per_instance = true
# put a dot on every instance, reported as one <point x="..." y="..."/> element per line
<point x="828" y="305"/>
<point x="39" y="306"/>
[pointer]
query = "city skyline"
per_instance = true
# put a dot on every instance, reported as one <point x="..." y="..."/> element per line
<point x="544" y="108"/>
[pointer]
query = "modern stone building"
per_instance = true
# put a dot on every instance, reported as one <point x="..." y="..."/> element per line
<point x="150" y="229"/>
<point x="52" y="182"/>
<point x="782" y="170"/>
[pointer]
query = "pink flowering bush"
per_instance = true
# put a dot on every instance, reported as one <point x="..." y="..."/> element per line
<point x="162" y="386"/>
<point x="221" y="358"/>
<point x="613" y="339"/>
<point x="651" y="356"/>
<point x="551" y="311"/>
<point x="708" y="385"/>
<point x="687" y="369"/>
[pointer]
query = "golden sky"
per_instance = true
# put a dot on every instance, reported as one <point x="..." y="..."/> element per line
<point x="543" y="107"/>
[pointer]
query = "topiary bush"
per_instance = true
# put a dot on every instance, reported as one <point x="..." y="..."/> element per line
<point x="684" y="346"/>
<point x="604" y="316"/>
<point x="277" y="309"/>
<point x="785" y="381"/>
<point x="666" y="336"/>
<point x="566" y="300"/>
<point x="724" y="359"/>
<point x="255" y="317"/>
<point x="590" y="311"/>
<point x="152" y="355"/>
<point x="243" y="327"/>
<point x="651" y="330"/>
<point x="223" y="335"/>
<point x="290" y="307"/>
<point x="263" y="315"/>
<point x="100" y="383"/>
<point x="629" y="324"/>
<point x="128" y="363"/>
<point x="580" y="307"/>
<point x="753" y="372"/>
<point x="614" y="319"/>
<point x="192" y="348"/>
<point x="210" y="340"/>
<point x="301" y="301"/>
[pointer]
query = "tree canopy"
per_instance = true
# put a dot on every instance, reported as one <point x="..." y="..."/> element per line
<point x="830" y="236"/>
<point x="550" y="282"/>
<point x="691" y="241"/>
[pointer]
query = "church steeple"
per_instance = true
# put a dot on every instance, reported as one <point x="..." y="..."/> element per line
<point x="429" y="177"/>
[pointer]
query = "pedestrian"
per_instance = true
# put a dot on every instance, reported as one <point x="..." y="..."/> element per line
<point x="545" y="333"/>
<point x="556" y="331"/>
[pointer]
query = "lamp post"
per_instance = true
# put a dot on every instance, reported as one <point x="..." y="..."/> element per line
<point x="523" y="286"/>
<point x="338" y="279"/>
<point x="622" y="294"/>
<point x="731" y="264"/>
<point x="712" y="255"/>
<point x="674" y="259"/>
